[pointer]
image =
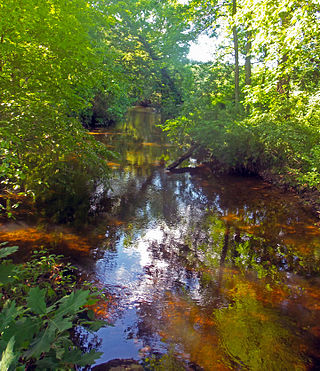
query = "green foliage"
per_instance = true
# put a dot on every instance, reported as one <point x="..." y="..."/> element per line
<point x="8" y="357"/>
<point x="290" y="135"/>
<point x="39" y="308"/>
<point x="109" y="106"/>
<point x="152" y="38"/>
<point x="6" y="251"/>
<point x="62" y="62"/>
<point x="211" y="119"/>
<point x="52" y="62"/>
<point x="277" y="125"/>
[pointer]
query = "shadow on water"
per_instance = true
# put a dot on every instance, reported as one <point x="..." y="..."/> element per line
<point x="223" y="270"/>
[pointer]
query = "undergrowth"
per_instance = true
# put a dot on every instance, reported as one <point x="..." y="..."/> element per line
<point x="40" y="308"/>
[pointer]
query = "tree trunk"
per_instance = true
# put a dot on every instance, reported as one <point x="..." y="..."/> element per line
<point x="248" y="58"/>
<point x="1" y="42"/>
<point x="248" y="64"/>
<point x="236" y="58"/>
<point x="283" y="82"/>
<point x="166" y="78"/>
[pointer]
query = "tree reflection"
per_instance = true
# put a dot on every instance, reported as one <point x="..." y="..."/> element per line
<point x="257" y="337"/>
<point x="246" y="332"/>
<point x="224" y="267"/>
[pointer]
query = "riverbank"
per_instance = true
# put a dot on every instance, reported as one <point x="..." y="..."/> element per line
<point x="308" y="197"/>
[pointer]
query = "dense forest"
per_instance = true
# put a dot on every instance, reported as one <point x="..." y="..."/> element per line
<point x="68" y="66"/>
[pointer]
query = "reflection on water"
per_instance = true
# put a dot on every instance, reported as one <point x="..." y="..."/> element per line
<point x="224" y="270"/>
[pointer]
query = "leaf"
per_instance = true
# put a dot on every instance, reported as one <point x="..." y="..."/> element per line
<point x="36" y="300"/>
<point x="8" y="356"/>
<point x="60" y="352"/>
<point x="41" y="344"/>
<point x="6" y="273"/>
<point x="6" y="251"/>
<point x="81" y="359"/>
<point x="8" y="314"/>
<point x="60" y="323"/>
<point x="96" y="325"/>
<point x="24" y="331"/>
<point x="88" y="358"/>
<point x="90" y="314"/>
<point x="3" y="345"/>
<point x="70" y="304"/>
<point x="48" y="363"/>
<point x="72" y="356"/>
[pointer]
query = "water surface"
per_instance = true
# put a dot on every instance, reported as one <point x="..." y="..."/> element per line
<point x="222" y="272"/>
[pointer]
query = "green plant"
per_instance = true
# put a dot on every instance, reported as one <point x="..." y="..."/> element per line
<point x="39" y="309"/>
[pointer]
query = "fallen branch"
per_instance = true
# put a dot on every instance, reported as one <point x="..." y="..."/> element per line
<point x="182" y="158"/>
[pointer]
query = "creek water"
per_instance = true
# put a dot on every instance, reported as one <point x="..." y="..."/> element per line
<point x="219" y="272"/>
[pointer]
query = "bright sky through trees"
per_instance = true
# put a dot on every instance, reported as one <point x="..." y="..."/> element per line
<point x="203" y="50"/>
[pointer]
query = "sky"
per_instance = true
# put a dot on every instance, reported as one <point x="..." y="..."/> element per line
<point x="203" y="50"/>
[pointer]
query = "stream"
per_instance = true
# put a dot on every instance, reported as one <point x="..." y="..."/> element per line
<point x="203" y="271"/>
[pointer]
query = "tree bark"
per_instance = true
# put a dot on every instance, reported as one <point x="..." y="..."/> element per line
<point x="236" y="58"/>
<point x="248" y="58"/>
<point x="283" y="82"/>
<point x="1" y="42"/>
<point x="248" y="64"/>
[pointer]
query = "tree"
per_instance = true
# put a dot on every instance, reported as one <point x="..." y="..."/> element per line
<point x="280" y="130"/>
<point x="236" y="57"/>
<point x="153" y="38"/>
<point x="52" y="61"/>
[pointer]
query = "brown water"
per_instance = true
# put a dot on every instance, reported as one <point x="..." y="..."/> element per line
<point x="221" y="271"/>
